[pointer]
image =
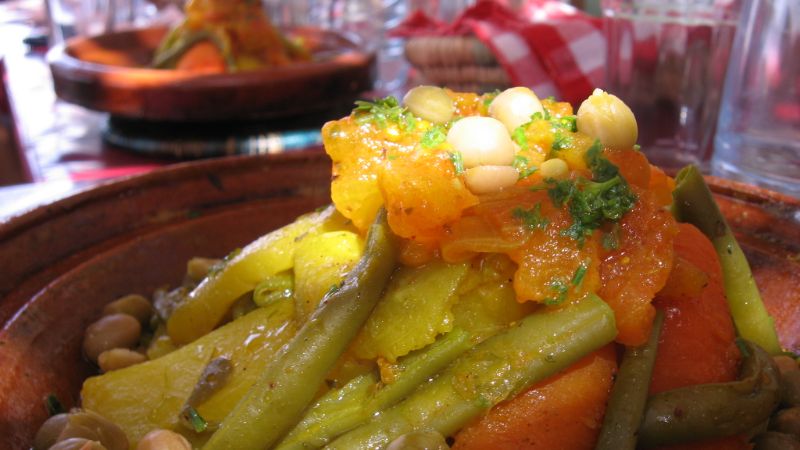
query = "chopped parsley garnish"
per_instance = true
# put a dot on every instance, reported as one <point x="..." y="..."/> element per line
<point x="194" y="419"/>
<point x="383" y="111"/>
<point x="580" y="272"/>
<point x="541" y="116"/>
<point x="560" y="289"/>
<point x="561" y="191"/>
<point x="604" y="199"/>
<point x="489" y="97"/>
<point x="521" y="164"/>
<point x="592" y="203"/>
<point x="568" y="123"/>
<point x="520" y="138"/>
<point x="611" y="238"/>
<point x="458" y="162"/>
<point x="532" y="218"/>
<point x="53" y="405"/>
<point x="433" y="137"/>
<point x="561" y="141"/>
<point x="602" y="169"/>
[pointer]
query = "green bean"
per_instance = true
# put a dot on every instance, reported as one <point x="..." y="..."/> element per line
<point x="714" y="410"/>
<point x="629" y="395"/>
<point x="537" y="347"/>
<point x="278" y="398"/>
<point x="342" y="410"/>
<point x="693" y="203"/>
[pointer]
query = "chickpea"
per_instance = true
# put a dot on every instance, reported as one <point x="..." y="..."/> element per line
<point x="163" y="440"/>
<point x="554" y="168"/>
<point x="94" y="427"/>
<point x="772" y="440"/>
<point x="114" y="331"/>
<point x="488" y="179"/>
<point x="49" y="431"/>
<point x="119" y="358"/>
<point x="431" y="103"/>
<point x="481" y="141"/>
<point x="134" y="305"/>
<point x="198" y="268"/>
<point x="419" y="440"/>
<point x="790" y="388"/>
<point x="787" y="421"/>
<point x="515" y="106"/>
<point x="785" y="364"/>
<point x="77" y="444"/>
<point x="607" y="118"/>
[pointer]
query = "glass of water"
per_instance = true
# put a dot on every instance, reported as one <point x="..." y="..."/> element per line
<point x="667" y="59"/>
<point x="758" y="137"/>
<point x="71" y="18"/>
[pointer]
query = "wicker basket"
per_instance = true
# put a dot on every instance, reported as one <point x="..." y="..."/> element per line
<point x="460" y="63"/>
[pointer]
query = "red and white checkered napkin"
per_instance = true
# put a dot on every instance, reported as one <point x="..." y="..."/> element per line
<point x="551" y="47"/>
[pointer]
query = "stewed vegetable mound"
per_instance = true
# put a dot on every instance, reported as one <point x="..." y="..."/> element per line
<point x="226" y="36"/>
<point x="495" y="271"/>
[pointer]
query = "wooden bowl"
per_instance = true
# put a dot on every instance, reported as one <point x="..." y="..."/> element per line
<point x="111" y="73"/>
<point x="61" y="263"/>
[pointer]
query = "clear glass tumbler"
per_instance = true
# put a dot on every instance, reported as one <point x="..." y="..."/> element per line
<point x="758" y="137"/>
<point x="365" y="22"/>
<point x="667" y="61"/>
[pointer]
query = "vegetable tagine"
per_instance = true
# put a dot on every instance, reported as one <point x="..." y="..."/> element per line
<point x="226" y="36"/>
<point x="496" y="271"/>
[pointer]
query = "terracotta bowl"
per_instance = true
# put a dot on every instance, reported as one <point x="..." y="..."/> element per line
<point x="61" y="263"/>
<point x="110" y="73"/>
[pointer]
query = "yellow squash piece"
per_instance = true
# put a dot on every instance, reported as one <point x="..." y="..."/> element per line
<point x="320" y="264"/>
<point x="150" y="395"/>
<point x="208" y="303"/>
<point x="488" y="303"/>
<point x="414" y="310"/>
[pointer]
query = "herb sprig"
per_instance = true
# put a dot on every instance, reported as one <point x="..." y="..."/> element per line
<point x="591" y="203"/>
<point x="532" y="218"/>
<point x="384" y="111"/>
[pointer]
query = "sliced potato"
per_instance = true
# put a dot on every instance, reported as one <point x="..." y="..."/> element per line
<point x="150" y="395"/>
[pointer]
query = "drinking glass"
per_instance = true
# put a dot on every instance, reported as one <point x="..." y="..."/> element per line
<point x="365" y="22"/>
<point x="758" y="137"/>
<point x="667" y="59"/>
<point x="70" y="18"/>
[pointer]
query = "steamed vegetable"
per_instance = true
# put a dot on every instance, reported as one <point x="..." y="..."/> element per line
<point x="343" y="409"/>
<point x="208" y="303"/>
<point x="532" y="244"/>
<point x="415" y="309"/>
<point x="714" y="410"/>
<point x="698" y="320"/>
<point x="288" y="385"/>
<point x="539" y="346"/>
<point x="152" y="394"/>
<point x="629" y="396"/>
<point x="694" y="204"/>
<point x="234" y="35"/>
<point x="561" y="412"/>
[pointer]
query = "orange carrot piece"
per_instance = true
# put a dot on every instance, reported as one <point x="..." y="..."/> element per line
<point x="633" y="273"/>
<point x="697" y="343"/>
<point x="563" y="412"/>
<point x="202" y="57"/>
